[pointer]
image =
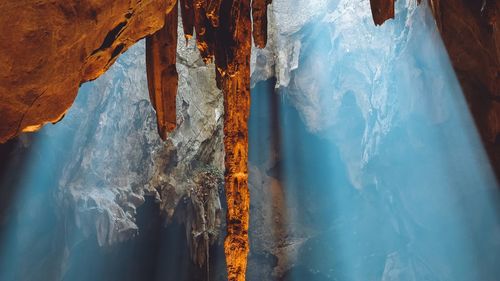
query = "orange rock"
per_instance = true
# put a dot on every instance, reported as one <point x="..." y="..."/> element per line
<point x="161" y="55"/>
<point x="48" y="48"/>
<point x="259" y="16"/>
<point x="233" y="50"/>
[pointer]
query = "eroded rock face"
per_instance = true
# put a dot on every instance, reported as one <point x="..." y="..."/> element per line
<point x="48" y="48"/>
<point x="471" y="33"/>
<point x="120" y="158"/>
<point x="214" y="21"/>
<point x="106" y="157"/>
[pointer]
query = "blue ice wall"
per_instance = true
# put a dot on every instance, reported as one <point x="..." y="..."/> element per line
<point x="378" y="151"/>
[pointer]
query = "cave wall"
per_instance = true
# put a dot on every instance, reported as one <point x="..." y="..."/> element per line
<point x="48" y="48"/>
<point x="470" y="30"/>
<point x="282" y="59"/>
<point x="471" y="33"/>
<point x="97" y="167"/>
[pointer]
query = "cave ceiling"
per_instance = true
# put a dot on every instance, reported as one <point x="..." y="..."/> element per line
<point x="49" y="48"/>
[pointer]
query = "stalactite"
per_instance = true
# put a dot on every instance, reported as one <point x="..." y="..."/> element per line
<point x="223" y="32"/>
<point x="259" y="16"/>
<point x="237" y="101"/>
<point x="233" y="66"/>
<point x="161" y="54"/>
<point x="187" y="13"/>
<point x="382" y="10"/>
<point x="204" y="31"/>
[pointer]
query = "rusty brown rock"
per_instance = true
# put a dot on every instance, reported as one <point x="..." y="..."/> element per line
<point x="161" y="55"/>
<point x="187" y="13"/>
<point x="259" y="16"/>
<point x="48" y="48"/>
<point x="382" y="10"/>
<point x="236" y="104"/>
<point x="233" y="67"/>
<point x="204" y="31"/>
<point x="213" y="8"/>
<point x="471" y="33"/>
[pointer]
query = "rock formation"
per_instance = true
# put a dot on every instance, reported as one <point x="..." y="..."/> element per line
<point x="161" y="54"/>
<point x="110" y="160"/>
<point x="223" y="30"/>
<point x="51" y="37"/>
<point x="49" y="48"/>
<point x="471" y="33"/>
<point x="382" y="10"/>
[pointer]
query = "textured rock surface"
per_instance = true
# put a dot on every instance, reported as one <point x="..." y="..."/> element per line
<point x="113" y="209"/>
<point x="471" y="33"/>
<point x="77" y="40"/>
<point x="161" y="56"/>
<point x="233" y="65"/>
<point x="110" y="159"/>
<point x="382" y="10"/>
<point x="133" y="161"/>
<point x="352" y="108"/>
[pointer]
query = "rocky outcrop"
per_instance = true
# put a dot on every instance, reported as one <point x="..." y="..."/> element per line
<point x="471" y="33"/>
<point x="49" y="48"/>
